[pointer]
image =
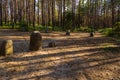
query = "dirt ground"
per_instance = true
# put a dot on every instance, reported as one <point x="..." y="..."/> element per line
<point x="76" y="57"/>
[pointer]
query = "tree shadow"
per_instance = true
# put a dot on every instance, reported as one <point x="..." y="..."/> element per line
<point x="66" y="65"/>
<point x="74" y="68"/>
<point x="12" y="32"/>
<point x="70" y="69"/>
<point x="87" y="42"/>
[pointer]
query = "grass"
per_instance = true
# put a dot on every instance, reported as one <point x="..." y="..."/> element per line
<point x="24" y="27"/>
<point x="9" y="27"/>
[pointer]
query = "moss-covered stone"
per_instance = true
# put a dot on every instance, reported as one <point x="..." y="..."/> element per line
<point x="6" y="48"/>
<point x="35" y="41"/>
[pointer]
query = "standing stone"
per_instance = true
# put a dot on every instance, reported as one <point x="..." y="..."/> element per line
<point x="35" y="41"/>
<point x="6" y="48"/>
<point x="91" y="34"/>
<point x="68" y="33"/>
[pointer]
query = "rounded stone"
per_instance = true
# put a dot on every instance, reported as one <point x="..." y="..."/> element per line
<point x="52" y="44"/>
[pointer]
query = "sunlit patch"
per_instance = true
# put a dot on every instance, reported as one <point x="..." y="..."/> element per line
<point x="104" y="45"/>
<point x="76" y="57"/>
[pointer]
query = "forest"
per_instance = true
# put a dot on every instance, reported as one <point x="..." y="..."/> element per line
<point x="60" y="14"/>
<point x="59" y="39"/>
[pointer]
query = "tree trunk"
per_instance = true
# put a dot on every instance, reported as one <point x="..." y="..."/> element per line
<point x="53" y="14"/>
<point x="0" y="12"/>
<point x="113" y="11"/>
<point x="42" y="12"/>
<point x="34" y="15"/>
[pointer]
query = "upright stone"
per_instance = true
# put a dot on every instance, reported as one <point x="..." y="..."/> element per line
<point x="68" y="33"/>
<point x="6" y="48"/>
<point x="35" y="41"/>
<point x="91" y="34"/>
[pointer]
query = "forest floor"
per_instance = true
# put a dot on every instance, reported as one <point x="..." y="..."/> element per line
<point x="76" y="57"/>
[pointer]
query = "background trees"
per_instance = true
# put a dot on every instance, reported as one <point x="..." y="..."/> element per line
<point x="65" y="14"/>
<point x="1" y="12"/>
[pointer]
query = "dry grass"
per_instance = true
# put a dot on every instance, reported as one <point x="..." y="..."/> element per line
<point x="76" y="57"/>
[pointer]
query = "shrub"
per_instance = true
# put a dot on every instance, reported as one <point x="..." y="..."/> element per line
<point x="23" y="26"/>
<point x="106" y="31"/>
<point x="116" y="29"/>
<point x="86" y="29"/>
<point x="112" y="32"/>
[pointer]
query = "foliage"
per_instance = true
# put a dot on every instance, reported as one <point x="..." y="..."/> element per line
<point x="105" y="31"/>
<point x="112" y="32"/>
<point x="23" y="26"/>
<point x="9" y="26"/>
<point x="46" y="28"/>
<point x="116" y="29"/>
<point x="68" y="20"/>
<point x="86" y="29"/>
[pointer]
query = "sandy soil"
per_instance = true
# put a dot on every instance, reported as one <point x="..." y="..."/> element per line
<point x="76" y="57"/>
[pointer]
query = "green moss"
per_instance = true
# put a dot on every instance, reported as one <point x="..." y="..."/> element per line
<point x="6" y="48"/>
